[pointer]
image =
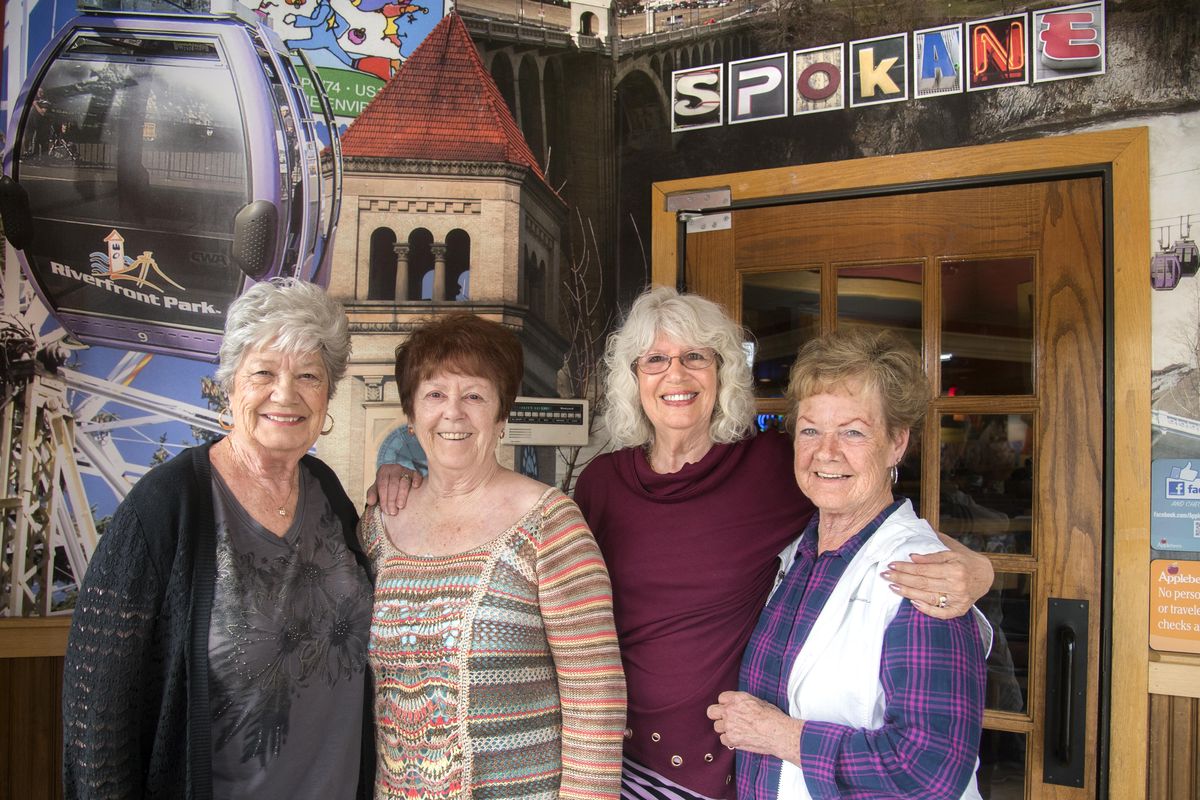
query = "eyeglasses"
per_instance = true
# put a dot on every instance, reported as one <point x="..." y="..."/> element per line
<point x="654" y="363"/>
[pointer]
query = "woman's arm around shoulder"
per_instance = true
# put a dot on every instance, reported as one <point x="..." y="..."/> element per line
<point x="576" y="605"/>
<point x="958" y="573"/>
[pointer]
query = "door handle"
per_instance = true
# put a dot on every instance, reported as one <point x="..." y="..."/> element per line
<point x="1065" y="727"/>
<point x="1066" y="691"/>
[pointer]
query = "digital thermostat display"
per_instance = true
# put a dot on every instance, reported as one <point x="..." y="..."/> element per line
<point x="547" y="421"/>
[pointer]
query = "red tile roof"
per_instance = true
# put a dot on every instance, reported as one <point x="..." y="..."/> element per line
<point x="441" y="105"/>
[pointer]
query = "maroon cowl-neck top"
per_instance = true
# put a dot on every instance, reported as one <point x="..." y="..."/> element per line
<point x="692" y="557"/>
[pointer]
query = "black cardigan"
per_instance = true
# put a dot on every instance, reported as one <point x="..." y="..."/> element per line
<point x="136" y="716"/>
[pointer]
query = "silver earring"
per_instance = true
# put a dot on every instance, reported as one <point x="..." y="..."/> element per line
<point x="895" y="474"/>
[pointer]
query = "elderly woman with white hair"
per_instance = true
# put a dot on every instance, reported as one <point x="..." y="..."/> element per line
<point x="218" y="647"/>
<point x="691" y="514"/>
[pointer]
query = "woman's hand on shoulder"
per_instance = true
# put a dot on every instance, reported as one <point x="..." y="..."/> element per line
<point x="391" y="487"/>
<point x="748" y="723"/>
<point x="942" y="585"/>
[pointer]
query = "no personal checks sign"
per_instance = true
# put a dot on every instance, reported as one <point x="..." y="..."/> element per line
<point x="1175" y="606"/>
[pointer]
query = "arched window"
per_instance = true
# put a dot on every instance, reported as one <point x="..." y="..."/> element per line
<point x="587" y="24"/>
<point x="534" y="279"/>
<point x="381" y="275"/>
<point x="502" y="74"/>
<point x="530" y="87"/>
<point x="420" y="264"/>
<point x="556" y="105"/>
<point x="539" y="305"/>
<point x="458" y="264"/>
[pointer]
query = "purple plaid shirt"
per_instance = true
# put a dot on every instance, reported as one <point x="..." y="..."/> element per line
<point x="933" y="677"/>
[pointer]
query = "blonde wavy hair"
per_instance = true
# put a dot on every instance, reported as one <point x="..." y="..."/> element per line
<point x="880" y="359"/>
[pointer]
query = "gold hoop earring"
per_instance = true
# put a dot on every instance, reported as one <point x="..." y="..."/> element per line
<point x="328" y="430"/>
<point x="222" y="424"/>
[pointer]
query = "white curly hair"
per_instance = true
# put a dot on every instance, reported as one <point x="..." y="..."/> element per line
<point x="696" y="322"/>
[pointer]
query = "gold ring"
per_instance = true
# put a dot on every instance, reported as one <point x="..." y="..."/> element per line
<point x="406" y="477"/>
<point x="942" y="600"/>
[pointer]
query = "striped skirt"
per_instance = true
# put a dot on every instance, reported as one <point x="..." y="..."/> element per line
<point x="639" y="783"/>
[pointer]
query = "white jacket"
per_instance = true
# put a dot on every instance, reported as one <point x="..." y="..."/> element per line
<point x="836" y="675"/>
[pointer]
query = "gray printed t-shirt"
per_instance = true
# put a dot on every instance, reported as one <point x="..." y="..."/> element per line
<point x="287" y="654"/>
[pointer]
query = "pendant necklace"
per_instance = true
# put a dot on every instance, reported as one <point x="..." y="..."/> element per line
<point x="281" y="507"/>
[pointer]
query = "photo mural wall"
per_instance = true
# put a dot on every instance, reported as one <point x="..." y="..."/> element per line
<point x="706" y="88"/>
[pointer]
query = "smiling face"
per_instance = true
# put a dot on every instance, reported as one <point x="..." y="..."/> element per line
<point x="680" y="400"/>
<point x="279" y="402"/>
<point x="455" y="419"/>
<point x="843" y="454"/>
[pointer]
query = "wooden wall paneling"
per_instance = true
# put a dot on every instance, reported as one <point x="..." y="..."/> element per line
<point x="1174" y="772"/>
<point x="31" y="728"/>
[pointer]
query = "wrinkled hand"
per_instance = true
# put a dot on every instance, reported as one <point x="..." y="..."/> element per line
<point x="391" y="487"/>
<point x="748" y="723"/>
<point x="960" y="575"/>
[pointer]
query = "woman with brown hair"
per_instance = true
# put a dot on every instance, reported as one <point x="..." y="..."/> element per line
<point x="493" y="647"/>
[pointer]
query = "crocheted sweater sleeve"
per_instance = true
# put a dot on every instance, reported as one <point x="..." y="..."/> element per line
<point x="576" y="604"/>
<point x="107" y="674"/>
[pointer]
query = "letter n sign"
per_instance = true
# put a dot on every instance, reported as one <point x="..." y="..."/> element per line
<point x="996" y="50"/>
<point x="758" y="88"/>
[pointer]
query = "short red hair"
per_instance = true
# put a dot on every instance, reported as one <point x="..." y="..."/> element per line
<point x="464" y="344"/>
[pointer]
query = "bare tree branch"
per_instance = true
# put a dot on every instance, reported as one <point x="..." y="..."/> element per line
<point x="587" y="326"/>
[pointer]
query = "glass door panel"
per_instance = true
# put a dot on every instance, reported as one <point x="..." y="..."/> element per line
<point x="1001" y="774"/>
<point x="782" y="310"/>
<point x="1007" y="607"/>
<point x="987" y="325"/>
<point x="986" y="492"/>
<point x="882" y="296"/>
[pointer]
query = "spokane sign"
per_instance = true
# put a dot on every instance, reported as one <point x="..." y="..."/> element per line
<point x="1048" y="45"/>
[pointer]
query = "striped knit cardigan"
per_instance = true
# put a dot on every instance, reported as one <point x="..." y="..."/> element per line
<point x="497" y="670"/>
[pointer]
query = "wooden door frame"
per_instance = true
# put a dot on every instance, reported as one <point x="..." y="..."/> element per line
<point x="1122" y="156"/>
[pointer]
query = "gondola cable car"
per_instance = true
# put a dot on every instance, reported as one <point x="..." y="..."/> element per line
<point x="160" y="163"/>
<point x="1165" y="269"/>
<point x="1186" y="250"/>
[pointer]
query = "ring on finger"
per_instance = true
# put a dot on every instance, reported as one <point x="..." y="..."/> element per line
<point x="406" y="477"/>
<point x="942" y="601"/>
